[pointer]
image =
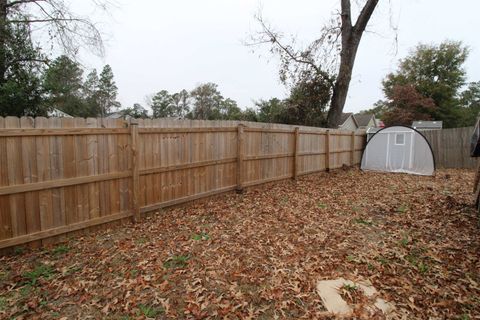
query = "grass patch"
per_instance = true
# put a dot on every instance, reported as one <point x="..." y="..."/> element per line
<point x="356" y="209"/>
<point x="3" y="304"/>
<point x="200" y="236"/>
<point x="150" y="311"/>
<point x="422" y="267"/>
<point x="383" y="261"/>
<point x="61" y="249"/>
<point x="352" y="293"/>
<point x="176" y="262"/>
<point x="134" y="273"/>
<point x="405" y="241"/>
<point x="351" y="258"/>
<point x="71" y="270"/>
<point x="321" y="205"/>
<point x="41" y="271"/>
<point x="363" y="221"/>
<point x="26" y="290"/>
<point x="349" y="287"/>
<point x="402" y="209"/>
<point x="417" y="261"/>
<point x="4" y="275"/>
<point x="141" y="240"/>
<point x="284" y="200"/>
<point x="18" y="250"/>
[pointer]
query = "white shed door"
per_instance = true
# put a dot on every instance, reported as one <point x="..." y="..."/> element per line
<point x="400" y="151"/>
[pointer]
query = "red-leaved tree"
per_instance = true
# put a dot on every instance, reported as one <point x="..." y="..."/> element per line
<point x="405" y="105"/>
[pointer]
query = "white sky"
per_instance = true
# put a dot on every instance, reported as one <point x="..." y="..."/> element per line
<point x="177" y="44"/>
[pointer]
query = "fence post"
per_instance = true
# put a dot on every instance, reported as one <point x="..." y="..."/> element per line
<point x="296" y="143"/>
<point x="135" y="170"/>
<point x="352" y="154"/>
<point x="327" y="151"/>
<point x="240" y="156"/>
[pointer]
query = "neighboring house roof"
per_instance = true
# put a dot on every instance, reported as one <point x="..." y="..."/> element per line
<point x="115" y="115"/>
<point x="360" y="120"/>
<point x="427" y="124"/>
<point x="56" y="113"/>
<point x="373" y="130"/>
<point x="344" y="117"/>
<point x="363" y="120"/>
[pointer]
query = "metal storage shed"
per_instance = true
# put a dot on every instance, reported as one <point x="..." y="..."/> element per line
<point x="398" y="149"/>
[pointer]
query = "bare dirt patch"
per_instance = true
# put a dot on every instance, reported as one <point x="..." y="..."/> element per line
<point x="260" y="254"/>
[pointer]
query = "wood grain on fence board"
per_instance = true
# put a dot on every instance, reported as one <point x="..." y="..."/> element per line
<point x="451" y="147"/>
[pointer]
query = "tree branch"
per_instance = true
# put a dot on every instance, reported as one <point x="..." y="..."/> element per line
<point x="46" y="20"/>
<point x="45" y="61"/>
<point x="273" y="38"/>
<point x="18" y="2"/>
<point x="364" y="16"/>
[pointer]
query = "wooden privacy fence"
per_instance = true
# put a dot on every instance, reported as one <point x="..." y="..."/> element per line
<point x="451" y="147"/>
<point x="64" y="175"/>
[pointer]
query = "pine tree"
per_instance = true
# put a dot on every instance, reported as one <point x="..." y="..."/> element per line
<point x="108" y="91"/>
<point x="162" y="105"/>
<point x="63" y="84"/>
<point x="91" y="94"/>
<point x="20" y="81"/>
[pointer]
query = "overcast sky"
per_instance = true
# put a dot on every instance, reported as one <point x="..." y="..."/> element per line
<point x="178" y="44"/>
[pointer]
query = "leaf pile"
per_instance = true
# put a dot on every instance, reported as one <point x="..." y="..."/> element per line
<point x="260" y="254"/>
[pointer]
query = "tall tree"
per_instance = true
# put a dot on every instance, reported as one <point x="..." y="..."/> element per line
<point x="227" y="109"/>
<point x="406" y="105"/>
<point x="206" y="101"/>
<point x="321" y="56"/>
<point x="250" y="114"/>
<point x="20" y="86"/>
<point x="351" y="36"/>
<point x="436" y="72"/>
<point x="470" y="102"/>
<point x="308" y="101"/>
<point x="57" y="22"/>
<point x="378" y="109"/>
<point x="136" y="111"/>
<point x="162" y="105"/>
<point x="21" y="62"/>
<point x="91" y="94"/>
<point x="63" y="84"/>
<point x="271" y="111"/>
<point x="181" y="103"/>
<point x="107" y="91"/>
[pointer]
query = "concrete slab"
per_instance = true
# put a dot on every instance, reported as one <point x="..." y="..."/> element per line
<point x="329" y="292"/>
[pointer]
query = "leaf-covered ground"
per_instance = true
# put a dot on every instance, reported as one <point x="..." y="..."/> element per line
<point x="259" y="255"/>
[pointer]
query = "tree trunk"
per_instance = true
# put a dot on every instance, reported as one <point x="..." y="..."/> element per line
<point x="342" y="83"/>
<point x="3" y="40"/>
<point x="351" y="36"/>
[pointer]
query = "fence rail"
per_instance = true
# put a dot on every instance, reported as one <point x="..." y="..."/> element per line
<point x="61" y="176"/>
<point x="451" y="147"/>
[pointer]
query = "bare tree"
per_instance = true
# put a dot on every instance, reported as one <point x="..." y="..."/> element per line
<point x="55" y="19"/>
<point x="331" y="57"/>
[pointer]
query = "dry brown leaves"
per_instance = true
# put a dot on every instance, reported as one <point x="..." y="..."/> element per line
<point x="260" y="254"/>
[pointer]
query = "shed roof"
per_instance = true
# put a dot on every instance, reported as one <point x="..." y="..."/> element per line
<point x="427" y="124"/>
<point x="363" y="119"/>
